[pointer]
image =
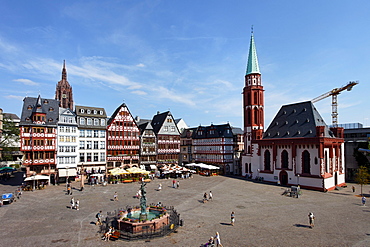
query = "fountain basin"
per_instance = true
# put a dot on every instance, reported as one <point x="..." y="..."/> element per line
<point x="156" y="218"/>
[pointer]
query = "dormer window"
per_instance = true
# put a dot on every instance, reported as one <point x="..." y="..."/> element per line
<point x="29" y="107"/>
<point x="82" y="110"/>
<point x="88" y="111"/>
<point x="95" y="112"/>
<point x="101" y="112"/>
<point x="51" y="109"/>
<point x="46" y="101"/>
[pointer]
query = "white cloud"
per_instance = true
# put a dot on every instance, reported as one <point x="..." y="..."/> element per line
<point x="139" y="92"/>
<point x="140" y="65"/>
<point x="27" y="82"/>
<point x="16" y="97"/>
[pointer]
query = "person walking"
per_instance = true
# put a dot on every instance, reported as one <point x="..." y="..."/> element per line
<point x="68" y="189"/>
<point x="210" y="196"/>
<point x="159" y="187"/>
<point x="363" y="200"/>
<point x="98" y="218"/>
<point x="232" y="218"/>
<point x="72" y="203"/>
<point x="115" y="196"/>
<point x="217" y="240"/>
<point x="353" y="189"/>
<point x="173" y="183"/>
<point x="205" y="197"/>
<point x="77" y="204"/>
<point x="311" y="219"/>
<point x="178" y="184"/>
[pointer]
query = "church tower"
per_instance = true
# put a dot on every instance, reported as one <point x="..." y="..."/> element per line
<point x="253" y="100"/>
<point x="63" y="91"/>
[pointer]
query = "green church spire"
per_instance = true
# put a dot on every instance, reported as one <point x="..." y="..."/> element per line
<point x="252" y="67"/>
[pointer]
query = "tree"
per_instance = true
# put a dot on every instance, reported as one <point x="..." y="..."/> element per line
<point x="362" y="176"/>
<point x="9" y="136"/>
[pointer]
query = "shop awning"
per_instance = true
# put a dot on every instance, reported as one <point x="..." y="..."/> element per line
<point x="71" y="172"/>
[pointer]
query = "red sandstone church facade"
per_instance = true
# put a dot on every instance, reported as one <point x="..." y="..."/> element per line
<point x="297" y="148"/>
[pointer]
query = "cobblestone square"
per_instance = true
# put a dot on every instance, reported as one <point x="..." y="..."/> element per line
<point x="263" y="216"/>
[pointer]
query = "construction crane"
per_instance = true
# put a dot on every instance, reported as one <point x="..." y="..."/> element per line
<point x="334" y="103"/>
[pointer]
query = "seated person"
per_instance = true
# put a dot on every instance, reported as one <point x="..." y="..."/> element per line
<point x="108" y="234"/>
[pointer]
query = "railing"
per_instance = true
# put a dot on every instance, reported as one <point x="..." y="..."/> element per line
<point x="112" y="217"/>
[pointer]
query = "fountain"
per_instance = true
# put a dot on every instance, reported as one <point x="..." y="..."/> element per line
<point x="136" y="220"/>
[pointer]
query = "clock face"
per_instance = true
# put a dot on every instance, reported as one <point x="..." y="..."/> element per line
<point x="64" y="96"/>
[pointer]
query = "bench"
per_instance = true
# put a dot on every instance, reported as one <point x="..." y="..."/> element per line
<point x="115" y="235"/>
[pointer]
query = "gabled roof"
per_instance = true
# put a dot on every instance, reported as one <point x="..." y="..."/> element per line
<point x="252" y="66"/>
<point x="144" y="124"/>
<point x="84" y="111"/>
<point x="50" y="107"/>
<point x="296" y="120"/>
<point x="116" y="112"/>
<point x="213" y="131"/>
<point x="11" y="116"/>
<point x="158" y="121"/>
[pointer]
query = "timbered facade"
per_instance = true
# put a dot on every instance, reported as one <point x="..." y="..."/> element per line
<point x="38" y="131"/>
<point x="168" y="138"/>
<point x="123" y="139"/>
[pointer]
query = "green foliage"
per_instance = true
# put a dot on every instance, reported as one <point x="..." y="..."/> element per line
<point x="9" y="137"/>
<point x="362" y="175"/>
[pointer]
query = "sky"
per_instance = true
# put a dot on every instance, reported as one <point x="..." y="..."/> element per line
<point x="188" y="57"/>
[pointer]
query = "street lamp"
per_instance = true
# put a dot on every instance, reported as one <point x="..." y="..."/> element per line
<point x="298" y="180"/>
<point x="67" y="167"/>
<point x="258" y="173"/>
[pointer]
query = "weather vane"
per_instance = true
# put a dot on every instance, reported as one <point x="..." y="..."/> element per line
<point x="252" y="29"/>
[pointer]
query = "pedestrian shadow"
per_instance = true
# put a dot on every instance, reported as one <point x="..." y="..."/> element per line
<point x="92" y="223"/>
<point x="301" y="225"/>
<point x="201" y="201"/>
<point x="225" y="224"/>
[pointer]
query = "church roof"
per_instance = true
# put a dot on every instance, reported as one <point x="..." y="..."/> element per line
<point x="252" y="66"/>
<point x="296" y="120"/>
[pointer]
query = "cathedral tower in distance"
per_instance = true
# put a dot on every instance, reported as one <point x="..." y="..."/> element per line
<point x="63" y="91"/>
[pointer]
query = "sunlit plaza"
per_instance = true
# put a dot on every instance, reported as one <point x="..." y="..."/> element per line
<point x="264" y="217"/>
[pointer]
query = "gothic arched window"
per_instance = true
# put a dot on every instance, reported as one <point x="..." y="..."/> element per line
<point x="267" y="162"/>
<point x="306" y="167"/>
<point x="284" y="160"/>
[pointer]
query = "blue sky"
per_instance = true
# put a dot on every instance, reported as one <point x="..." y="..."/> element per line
<point x="188" y="57"/>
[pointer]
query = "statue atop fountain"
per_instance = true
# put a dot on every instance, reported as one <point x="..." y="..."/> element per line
<point x="143" y="214"/>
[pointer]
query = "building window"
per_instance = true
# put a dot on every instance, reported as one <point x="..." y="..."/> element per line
<point x="82" y="157"/>
<point x="96" y="133"/>
<point x="89" y="121"/>
<point x="102" y="156"/>
<point x="88" y="133"/>
<point x="173" y="128"/>
<point x="82" y="133"/>
<point x="284" y="160"/>
<point x="102" y="145"/>
<point x="82" y="144"/>
<point x="166" y="128"/>
<point x="306" y="162"/>
<point x="88" y="145"/>
<point x="102" y="134"/>
<point x="88" y="157"/>
<point x="102" y="122"/>
<point x="96" y="121"/>
<point x="96" y="157"/>
<point x="267" y="160"/>
<point x="96" y="145"/>
<point x="82" y="121"/>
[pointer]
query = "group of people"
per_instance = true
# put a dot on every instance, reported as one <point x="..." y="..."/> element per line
<point x="175" y="184"/>
<point x="214" y="241"/>
<point x="207" y="197"/>
<point x="75" y="204"/>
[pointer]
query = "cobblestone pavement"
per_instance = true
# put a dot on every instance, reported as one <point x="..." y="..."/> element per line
<point x="263" y="216"/>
